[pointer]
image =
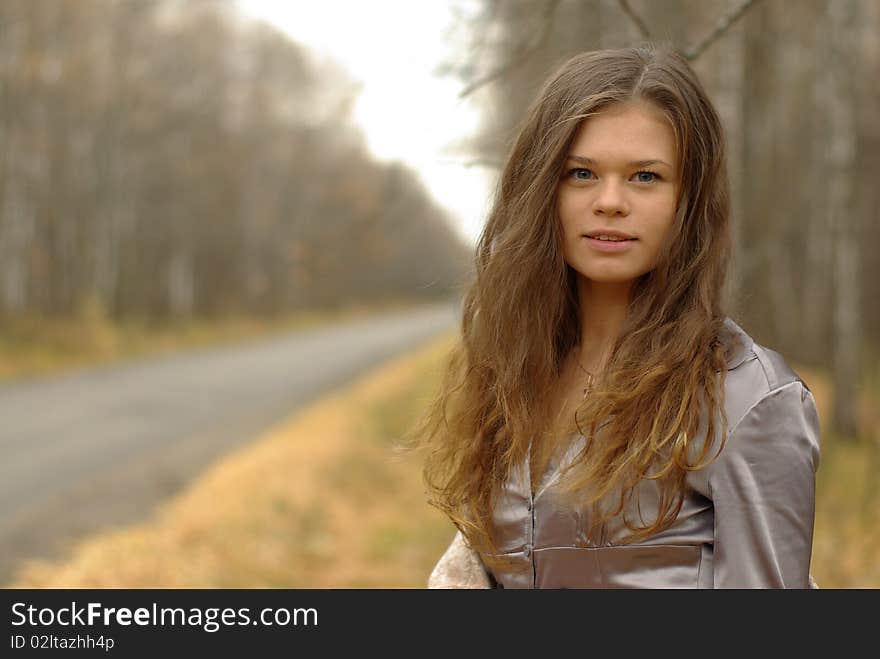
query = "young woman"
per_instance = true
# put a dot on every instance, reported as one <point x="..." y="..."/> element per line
<point x="603" y="423"/>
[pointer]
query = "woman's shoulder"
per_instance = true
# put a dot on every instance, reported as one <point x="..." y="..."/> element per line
<point x="754" y="373"/>
<point x="772" y="423"/>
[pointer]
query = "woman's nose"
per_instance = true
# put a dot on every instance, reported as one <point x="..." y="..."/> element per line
<point x="610" y="200"/>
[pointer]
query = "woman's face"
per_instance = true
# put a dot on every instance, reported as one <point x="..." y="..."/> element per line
<point x="620" y="180"/>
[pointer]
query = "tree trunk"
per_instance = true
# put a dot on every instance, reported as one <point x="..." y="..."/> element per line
<point x="841" y="18"/>
<point x="730" y="102"/>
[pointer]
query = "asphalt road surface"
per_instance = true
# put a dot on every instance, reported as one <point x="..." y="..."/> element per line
<point x="101" y="447"/>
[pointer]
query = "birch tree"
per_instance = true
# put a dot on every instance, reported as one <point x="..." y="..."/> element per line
<point x="844" y="225"/>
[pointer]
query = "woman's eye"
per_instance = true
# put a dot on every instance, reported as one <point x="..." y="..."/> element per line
<point x="580" y="174"/>
<point x="584" y="174"/>
<point x="649" y="180"/>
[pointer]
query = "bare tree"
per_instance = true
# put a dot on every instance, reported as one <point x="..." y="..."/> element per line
<point x="167" y="158"/>
<point x="844" y="225"/>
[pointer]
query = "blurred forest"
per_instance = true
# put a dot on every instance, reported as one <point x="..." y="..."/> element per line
<point x="170" y="159"/>
<point x="796" y="86"/>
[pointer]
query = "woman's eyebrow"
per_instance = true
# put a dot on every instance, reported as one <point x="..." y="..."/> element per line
<point x="634" y="163"/>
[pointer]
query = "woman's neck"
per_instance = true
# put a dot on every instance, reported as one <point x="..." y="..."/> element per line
<point x="603" y="310"/>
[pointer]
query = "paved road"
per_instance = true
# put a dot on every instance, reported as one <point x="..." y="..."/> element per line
<point x="101" y="447"/>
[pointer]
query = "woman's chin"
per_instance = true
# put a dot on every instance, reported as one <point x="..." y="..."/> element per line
<point x="609" y="278"/>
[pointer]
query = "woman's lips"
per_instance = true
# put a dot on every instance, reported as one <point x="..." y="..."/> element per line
<point x="609" y="245"/>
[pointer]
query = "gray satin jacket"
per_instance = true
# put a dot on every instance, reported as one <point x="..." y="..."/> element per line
<point x="746" y="520"/>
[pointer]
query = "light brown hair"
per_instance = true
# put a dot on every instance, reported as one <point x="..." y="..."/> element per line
<point x="520" y="315"/>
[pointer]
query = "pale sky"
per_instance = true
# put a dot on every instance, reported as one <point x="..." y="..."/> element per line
<point x="406" y="113"/>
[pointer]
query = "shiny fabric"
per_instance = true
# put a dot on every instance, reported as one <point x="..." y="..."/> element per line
<point x="746" y="520"/>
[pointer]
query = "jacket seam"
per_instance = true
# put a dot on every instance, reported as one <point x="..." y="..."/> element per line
<point x="763" y="397"/>
<point x="748" y="412"/>
<point x="632" y="546"/>
<point x="771" y="376"/>
<point x="700" y="567"/>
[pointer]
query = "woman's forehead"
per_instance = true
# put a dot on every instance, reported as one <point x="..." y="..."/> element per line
<point x="626" y="134"/>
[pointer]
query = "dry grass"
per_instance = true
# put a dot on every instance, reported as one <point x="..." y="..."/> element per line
<point x="321" y="502"/>
<point x="846" y="541"/>
<point x="324" y="502"/>
<point x="846" y="547"/>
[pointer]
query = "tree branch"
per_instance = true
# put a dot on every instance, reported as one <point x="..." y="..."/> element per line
<point x="488" y="163"/>
<point x="522" y="53"/>
<point x="720" y="28"/>
<point x="640" y="24"/>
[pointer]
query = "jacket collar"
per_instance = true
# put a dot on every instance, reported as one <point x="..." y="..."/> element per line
<point x="743" y="350"/>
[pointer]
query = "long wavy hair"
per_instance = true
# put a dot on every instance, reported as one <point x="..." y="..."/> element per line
<point x="521" y="316"/>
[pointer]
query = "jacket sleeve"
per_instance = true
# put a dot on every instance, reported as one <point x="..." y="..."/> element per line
<point x="763" y="488"/>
